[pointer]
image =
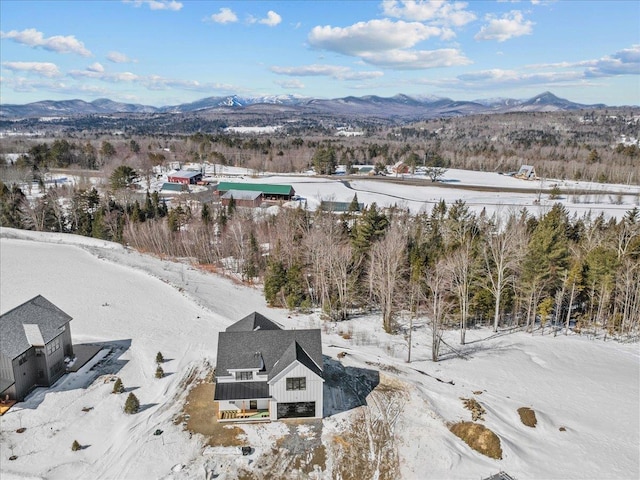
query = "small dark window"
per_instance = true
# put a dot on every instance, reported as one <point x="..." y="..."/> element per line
<point x="244" y="375"/>
<point x="296" y="383"/>
<point x="253" y="404"/>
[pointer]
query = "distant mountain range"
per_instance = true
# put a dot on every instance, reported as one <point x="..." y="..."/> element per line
<point x="399" y="106"/>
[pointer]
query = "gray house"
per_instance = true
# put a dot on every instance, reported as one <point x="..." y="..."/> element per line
<point x="34" y="340"/>
<point x="265" y="372"/>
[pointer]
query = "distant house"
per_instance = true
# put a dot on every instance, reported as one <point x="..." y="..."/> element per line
<point x="400" y="168"/>
<point x="242" y="198"/>
<point x="269" y="192"/>
<point x="527" y="172"/>
<point x="186" y="177"/>
<point x="34" y="340"/>
<point x="173" y="187"/>
<point x="266" y="373"/>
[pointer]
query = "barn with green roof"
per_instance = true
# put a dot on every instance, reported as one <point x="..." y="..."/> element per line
<point x="269" y="191"/>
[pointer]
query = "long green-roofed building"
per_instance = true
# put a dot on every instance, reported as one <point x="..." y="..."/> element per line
<point x="269" y="192"/>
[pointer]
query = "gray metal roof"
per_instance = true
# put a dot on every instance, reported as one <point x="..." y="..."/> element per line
<point x="37" y="311"/>
<point x="241" y="195"/>
<point x="253" y="321"/>
<point x="239" y="350"/>
<point x="185" y="174"/>
<point x="241" y="390"/>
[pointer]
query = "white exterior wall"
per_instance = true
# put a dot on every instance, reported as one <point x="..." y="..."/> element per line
<point x="313" y="392"/>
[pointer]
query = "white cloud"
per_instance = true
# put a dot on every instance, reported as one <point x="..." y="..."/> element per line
<point x="510" y="25"/>
<point x="57" y="43"/>
<point x="111" y="77"/>
<point x="372" y="36"/>
<point x="96" y="67"/>
<point x="333" y="71"/>
<point x="293" y="84"/>
<point x="417" y="59"/>
<point x="226" y="15"/>
<point x="117" y="57"/>
<point x="157" y="4"/>
<point x="436" y="11"/>
<point x="386" y="43"/>
<point x="272" y="19"/>
<point x="43" y="69"/>
<point x="622" y="62"/>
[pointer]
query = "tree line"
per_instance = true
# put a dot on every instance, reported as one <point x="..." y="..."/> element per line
<point x="553" y="273"/>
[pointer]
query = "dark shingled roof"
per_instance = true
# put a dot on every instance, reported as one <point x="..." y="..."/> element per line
<point x="241" y="390"/>
<point x="253" y="321"/>
<point x="239" y="350"/>
<point x="292" y="353"/>
<point x="37" y="311"/>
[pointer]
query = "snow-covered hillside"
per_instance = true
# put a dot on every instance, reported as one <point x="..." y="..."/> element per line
<point x="586" y="393"/>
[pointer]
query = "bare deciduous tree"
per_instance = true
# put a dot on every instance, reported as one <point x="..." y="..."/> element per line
<point x="386" y="271"/>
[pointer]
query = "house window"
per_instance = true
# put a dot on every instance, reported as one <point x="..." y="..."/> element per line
<point x="244" y="375"/>
<point x="53" y="345"/>
<point x="296" y="383"/>
<point x="22" y="358"/>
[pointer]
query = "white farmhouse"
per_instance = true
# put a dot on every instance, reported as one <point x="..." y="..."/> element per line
<point x="266" y="373"/>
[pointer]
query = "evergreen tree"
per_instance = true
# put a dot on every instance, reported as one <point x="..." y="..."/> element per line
<point x="159" y="372"/>
<point x="354" y="206"/>
<point x="275" y="278"/>
<point x="118" y="387"/>
<point x="12" y="202"/>
<point x="132" y="404"/>
<point x="75" y="446"/>
<point x="123" y="177"/>
<point x="159" y="358"/>
<point x="324" y="161"/>
<point x="205" y="214"/>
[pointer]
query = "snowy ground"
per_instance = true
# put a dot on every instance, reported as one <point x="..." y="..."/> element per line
<point x="136" y="305"/>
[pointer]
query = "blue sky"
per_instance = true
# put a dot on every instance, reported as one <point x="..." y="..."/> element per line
<point x="166" y="52"/>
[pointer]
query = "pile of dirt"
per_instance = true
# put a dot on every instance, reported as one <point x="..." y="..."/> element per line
<point x="528" y="417"/>
<point x="478" y="437"/>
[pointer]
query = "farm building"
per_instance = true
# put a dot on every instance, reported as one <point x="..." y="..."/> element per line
<point x="269" y="192"/>
<point x="173" y="187"/>
<point x="242" y="198"/>
<point x="186" y="177"/>
<point x="527" y="172"/>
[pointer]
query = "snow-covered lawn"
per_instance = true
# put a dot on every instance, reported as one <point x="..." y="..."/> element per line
<point x="138" y="305"/>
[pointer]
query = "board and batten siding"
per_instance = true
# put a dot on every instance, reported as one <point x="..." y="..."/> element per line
<point x="6" y="368"/>
<point x="312" y="393"/>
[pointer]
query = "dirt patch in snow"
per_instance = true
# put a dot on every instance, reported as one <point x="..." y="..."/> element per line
<point x="478" y="437"/>
<point x="297" y="454"/>
<point x="528" y="417"/>
<point x="199" y="416"/>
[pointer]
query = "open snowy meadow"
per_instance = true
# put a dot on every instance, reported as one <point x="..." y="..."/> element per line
<point x="585" y="392"/>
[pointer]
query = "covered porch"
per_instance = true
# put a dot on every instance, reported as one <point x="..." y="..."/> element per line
<point x="242" y="402"/>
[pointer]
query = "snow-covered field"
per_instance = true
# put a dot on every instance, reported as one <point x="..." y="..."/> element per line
<point x="141" y="305"/>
